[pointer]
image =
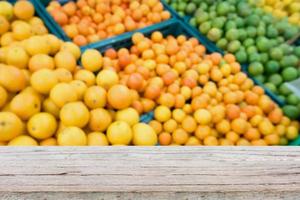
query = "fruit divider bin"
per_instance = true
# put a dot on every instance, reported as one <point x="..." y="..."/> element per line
<point x="171" y="27"/>
<point x="40" y="13"/>
<point x="42" y="4"/>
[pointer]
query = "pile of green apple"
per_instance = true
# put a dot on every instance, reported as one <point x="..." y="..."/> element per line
<point x="255" y="37"/>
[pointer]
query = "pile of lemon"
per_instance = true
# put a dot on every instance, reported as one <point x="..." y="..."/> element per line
<point x="282" y="8"/>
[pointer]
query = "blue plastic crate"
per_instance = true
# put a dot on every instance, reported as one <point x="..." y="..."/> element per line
<point x="62" y="34"/>
<point x="39" y="12"/>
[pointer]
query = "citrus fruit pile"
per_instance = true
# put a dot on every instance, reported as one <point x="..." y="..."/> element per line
<point x="87" y="21"/>
<point x="255" y="38"/>
<point x="17" y="22"/>
<point x="281" y="9"/>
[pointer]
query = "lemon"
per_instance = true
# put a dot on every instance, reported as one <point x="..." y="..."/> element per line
<point x="144" y="135"/>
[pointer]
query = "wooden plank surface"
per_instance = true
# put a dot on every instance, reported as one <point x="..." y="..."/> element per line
<point x="161" y="170"/>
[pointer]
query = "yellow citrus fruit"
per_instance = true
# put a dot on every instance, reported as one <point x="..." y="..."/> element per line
<point x="40" y="61"/>
<point x="74" y="114"/>
<point x="66" y="60"/>
<point x="80" y="88"/>
<point x="266" y="127"/>
<point x="95" y="97"/>
<point x="17" y="57"/>
<point x="21" y="31"/>
<point x="180" y="136"/>
<point x="63" y="93"/>
<point x="6" y="10"/>
<point x="25" y="105"/>
<point x="144" y="135"/>
<point x="128" y="115"/>
<point x="193" y="141"/>
<point x="33" y="92"/>
<point x="7" y="39"/>
<point x="72" y="48"/>
<point x="92" y="60"/>
<point x="72" y="136"/>
<point x="43" y="80"/>
<point x="100" y="119"/>
<point x="3" y="96"/>
<point x="203" y="116"/>
<point x="272" y="139"/>
<point x="37" y="45"/>
<point x="291" y="133"/>
<point x="63" y="75"/>
<point x="223" y="126"/>
<point x="49" y="142"/>
<point x="202" y="132"/>
<point x="86" y="76"/>
<point x="12" y="78"/>
<point x="23" y="140"/>
<point x="10" y="126"/>
<point x="178" y="115"/>
<point x="210" y="141"/>
<point x="23" y="10"/>
<point x="107" y="78"/>
<point x="4" y="25"/>
<point x="239" y="126"/>
<point x="119" y="133"/>
<point x="42" y="125"/>
<point x="97" y="139"/>
<point x="162" y="113"/>
<point x="54" y="42"/>
<point x="50" y="107"/>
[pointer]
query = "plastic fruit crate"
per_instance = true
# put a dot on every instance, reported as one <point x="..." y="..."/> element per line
<point x="171" y="27"/>
<point x="62" y="34"/>
<point x="40" y="13"/>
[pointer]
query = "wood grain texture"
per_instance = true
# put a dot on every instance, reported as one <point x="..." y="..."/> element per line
<point x="162" y="170"/>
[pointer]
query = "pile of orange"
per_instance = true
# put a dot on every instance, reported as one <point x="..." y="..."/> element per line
<point x="17" y="23"/>
<point x="197" y="99"/>
<point x="87" y="21"/>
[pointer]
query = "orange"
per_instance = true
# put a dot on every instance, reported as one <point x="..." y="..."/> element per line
<point x="63" y="93"/>
<point x="118" y="97"/>
<point x="165" y="138"/>
<point x="266" y="127"/>
<point x="12" y="78"/>
<point x="97" y="139"/>
<point x="252" y="134"/>
<point x="275" y="116"/>
<point x="166" y="99"/>
<point x="40" y="61"/>
<point x="23" y="140"/>
<point x="66" y="60"/>
<point x="272" y="139"/>
<point x="95" y="97"/>
<point x="72" y="48"/>
<point x="232" y="136"/>
<point x="25" y="105"/>
<point x="180" y="136"/>
<point x="239" y="125"/>
<point x="144" y="135"/>
<point x="63" y="75"/>
<point x="128" y="115"/>
<point x="3" y="96"/>
<point x="50" y="107"/>
<point x="17" y="57"/>
<point x="119" y="133"/>
<point x="86" y="76"/>
<point x="43" y="80"/>
<point x="21" y="31"/>
<point x="259" y="142"/>
<point x="23" y="10"/>
<point x="157" y="126"/>
<point x="170" y="125"/>
<point x="54" y="42"/>
<point x="178" y="115"/>
<point x="49" y="142"/>
<point x="243" y="142"/>
<point x="202" y="132"/>
<point x="107" y="78"/>
<point x="203" y="116"/>
<point x="38" y="45"/>
<point x="100" y="119"/>
<point x="193" y="141"/>
<point x="74" y="114"/>
<point x="10" y="126"/>
<point x="232" y="111"/>
<point x="92" y="60"/>
<point x="72" y="136"/>
<point x="42" y="125"/>
<point x="135" y="81"/>
<point x="162" y="113"/>
<point x="223" y="127"/>
<point x="210" y="141"/>
<point x="189" y="124"/>
<point x="4" y="25"/>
